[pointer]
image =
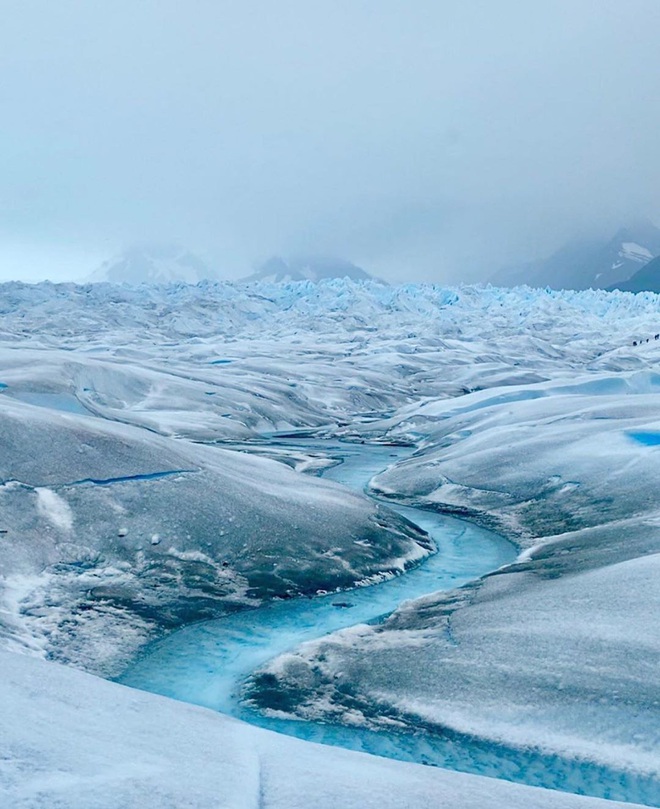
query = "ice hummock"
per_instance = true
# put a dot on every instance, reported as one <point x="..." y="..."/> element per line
<point x="83" y="498"/>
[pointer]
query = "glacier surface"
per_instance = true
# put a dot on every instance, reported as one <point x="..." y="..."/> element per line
<point x="139" y="492"/>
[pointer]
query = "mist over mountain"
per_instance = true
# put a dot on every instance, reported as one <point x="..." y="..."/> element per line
<point x="166" y="264"/>
<point x="306" y="268"/>
<point x="153" y="264"/>
<point x="589" y="264"/>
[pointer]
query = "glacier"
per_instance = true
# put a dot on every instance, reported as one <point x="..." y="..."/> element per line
<point x="142" y="490"/>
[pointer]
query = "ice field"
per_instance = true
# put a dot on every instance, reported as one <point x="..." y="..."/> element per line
<point x="158" y="478"/>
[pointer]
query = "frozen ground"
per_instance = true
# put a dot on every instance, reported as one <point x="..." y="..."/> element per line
<point x="122" y="517"/>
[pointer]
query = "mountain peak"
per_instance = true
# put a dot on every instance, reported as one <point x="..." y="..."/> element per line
<point x="591" y="265"/>
<point x="153" y="264"/>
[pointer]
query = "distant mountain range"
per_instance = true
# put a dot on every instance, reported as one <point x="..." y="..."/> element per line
<point x="165" y="264"/>
<point x="306" y="268"/>
<point x="589" y="265"/>
<point x="153" y="264"/>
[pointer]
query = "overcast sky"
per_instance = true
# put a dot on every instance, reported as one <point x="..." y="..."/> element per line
<point x="425" y="139"/>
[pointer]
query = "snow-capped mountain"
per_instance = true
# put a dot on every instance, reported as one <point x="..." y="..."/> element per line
<point x="306" y="268"/>
<point x="589" y="265"/>
<point x="647" y="279"/>
<point x="153" y="264"/>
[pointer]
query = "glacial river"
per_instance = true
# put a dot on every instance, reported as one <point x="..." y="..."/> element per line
<point x="206" y="664"/>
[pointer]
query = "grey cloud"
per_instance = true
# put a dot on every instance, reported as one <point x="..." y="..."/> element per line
<point x="426" y="139"/>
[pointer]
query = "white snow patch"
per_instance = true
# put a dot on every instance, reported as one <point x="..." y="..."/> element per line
<point x="635" y="252"/>
<point x="54" y="509"/>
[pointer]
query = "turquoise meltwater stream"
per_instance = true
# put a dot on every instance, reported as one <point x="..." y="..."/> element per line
<point x="207" y="663"/>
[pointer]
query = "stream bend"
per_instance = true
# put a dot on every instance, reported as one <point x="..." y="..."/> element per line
<point x="206" y="664"/>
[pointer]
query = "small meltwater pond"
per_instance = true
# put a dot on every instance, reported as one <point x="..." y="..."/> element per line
<point x="207" y="663"/>
<point x="649" y="439"/>
<point x="65" y="402"/>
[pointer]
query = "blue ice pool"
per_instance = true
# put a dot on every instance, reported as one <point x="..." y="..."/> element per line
<point x="207" y="663"/>
<point x="66" y="402"/>
<point x="649" y="439"/>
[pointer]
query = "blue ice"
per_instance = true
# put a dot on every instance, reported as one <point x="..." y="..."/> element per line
<point x="55" y="401"/>
<point x="649" y="439"/>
